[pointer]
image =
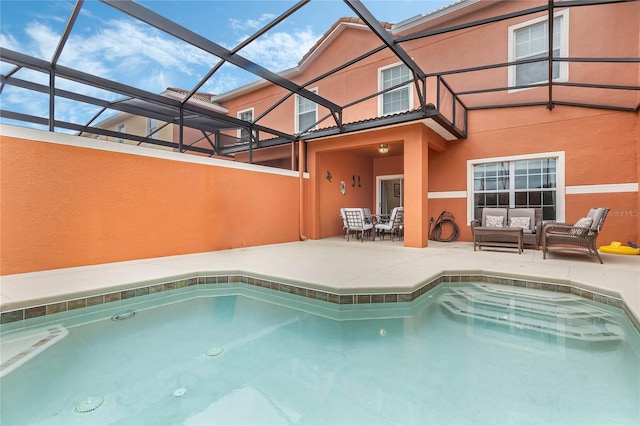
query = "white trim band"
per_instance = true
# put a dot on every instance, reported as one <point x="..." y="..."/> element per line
<point x="447" y="194"/>
<point x="602" y="189"/>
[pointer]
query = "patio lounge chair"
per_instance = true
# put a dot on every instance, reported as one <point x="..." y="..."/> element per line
<point x="355" y="222"/>
<point x="395" y="224"/>
<point x="579" y="237"/>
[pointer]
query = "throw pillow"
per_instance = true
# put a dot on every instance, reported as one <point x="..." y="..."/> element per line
<point x="584" y="222"/>
<point x="520" y="222"/>
<point x="494" y="221"/>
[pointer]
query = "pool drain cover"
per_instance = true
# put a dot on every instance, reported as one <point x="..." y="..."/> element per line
<point x="214" y="351"/>
<point x="90" y="404"/>
<point x="179" y="392"/>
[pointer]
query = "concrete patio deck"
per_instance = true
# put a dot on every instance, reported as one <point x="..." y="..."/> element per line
<point x="336" y="266"/>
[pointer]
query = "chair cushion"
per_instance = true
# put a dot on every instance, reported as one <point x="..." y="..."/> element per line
<point x="583" y="222"/>
<point x="520" y="222"/>
<point x="596" y="214"/>
<point x="494" y="221"/>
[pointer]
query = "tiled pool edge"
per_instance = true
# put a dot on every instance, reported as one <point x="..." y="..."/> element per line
<point x="300" y="290"/>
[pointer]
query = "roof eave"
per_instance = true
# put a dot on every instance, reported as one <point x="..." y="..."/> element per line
<point x="432" y="18"/>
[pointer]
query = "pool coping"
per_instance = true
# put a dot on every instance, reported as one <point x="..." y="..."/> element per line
<point x="134" y="290"/>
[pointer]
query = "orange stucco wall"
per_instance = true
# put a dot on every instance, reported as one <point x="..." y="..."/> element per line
<point x="66" y="206"/>
<point x="356" y="155"/>
<point x="600" y="147"/>
<point x="486" y="44"/>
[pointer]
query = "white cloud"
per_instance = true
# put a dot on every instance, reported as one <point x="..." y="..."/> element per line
<point x="118" y="50"/>
<point x="43" y="40"/>
<point x="278" y="51"/>
<point x="251" y="24"/>
<point x="138" y="55"/>
<point x="9" y="42"/>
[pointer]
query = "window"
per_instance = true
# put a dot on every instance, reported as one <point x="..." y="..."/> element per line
<point x="245" y="134"/>
<point x="519" y="182"/>
<point x="530" y="40"/>
<point x="121" y="128"/>
<point x="152" y="128"/>
<point x="306" y="113"/>
<point x="398" y="99"/>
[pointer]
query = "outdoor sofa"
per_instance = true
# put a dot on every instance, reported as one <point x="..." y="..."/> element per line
<point x="497" y="227"/>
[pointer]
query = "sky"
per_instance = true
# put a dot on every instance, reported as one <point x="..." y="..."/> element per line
<point x="107" y="43"/>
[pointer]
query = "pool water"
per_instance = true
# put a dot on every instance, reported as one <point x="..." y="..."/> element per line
<point x="463" y="354"/>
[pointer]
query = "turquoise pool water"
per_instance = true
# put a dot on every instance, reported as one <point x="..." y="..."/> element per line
<point x="463" y="354"/>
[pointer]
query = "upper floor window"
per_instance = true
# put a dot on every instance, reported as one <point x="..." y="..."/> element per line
<point x="245" y="134"/>
<point x="524" y="181"/>
<point x="398" y="99"/>
<point x="152" y="128"/>
<point x="530" y="40"/>
<point x="306" y="113"/>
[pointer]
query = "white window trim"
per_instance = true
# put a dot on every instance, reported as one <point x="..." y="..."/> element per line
<point x="239" y="114"/>
<point x="380" y="97"/>
<point x="564" y="46"/>
<point x="154" y="129"/>
<point x="296" y="114"/>
<point x="560" y="183"/>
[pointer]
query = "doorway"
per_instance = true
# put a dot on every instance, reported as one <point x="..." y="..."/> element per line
<point x="389" y="193"/>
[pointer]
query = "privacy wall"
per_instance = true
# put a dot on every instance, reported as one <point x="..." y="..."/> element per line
<point x="69" y="201"/>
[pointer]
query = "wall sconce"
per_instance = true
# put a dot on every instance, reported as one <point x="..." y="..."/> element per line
<point x="329" y="176"/>
<point x="383" y="148"/>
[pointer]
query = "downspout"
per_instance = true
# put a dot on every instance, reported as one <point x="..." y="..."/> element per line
<point x="550" y="58"/>
<point x="301" y="164"/>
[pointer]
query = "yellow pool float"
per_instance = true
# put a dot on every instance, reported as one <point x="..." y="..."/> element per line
<point x="616" y="247"/>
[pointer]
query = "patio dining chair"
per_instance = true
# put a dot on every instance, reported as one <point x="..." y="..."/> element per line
<point x="343" y="216"/>
<point x="579" y="237"/>
<point x="355" y="223"/>
<point x="395" y="224"/>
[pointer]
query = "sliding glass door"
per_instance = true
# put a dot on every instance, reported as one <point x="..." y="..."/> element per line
<point x="389" y="193"/>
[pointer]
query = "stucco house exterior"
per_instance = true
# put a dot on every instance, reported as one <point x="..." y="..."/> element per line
<point x="445" y="119"/>
<point x="516" y="143"/>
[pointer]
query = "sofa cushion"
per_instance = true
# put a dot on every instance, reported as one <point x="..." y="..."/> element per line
<point x="524" y="212"/>
<point x="520" y="222"/>
<point x="494" y="211"/>
<point x="494" y="221"/>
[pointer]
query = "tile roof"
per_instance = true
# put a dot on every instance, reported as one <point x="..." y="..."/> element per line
<point x="201" y="96"/>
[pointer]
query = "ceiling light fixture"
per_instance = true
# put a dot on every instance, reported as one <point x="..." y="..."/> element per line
<point x="383" y="148"/>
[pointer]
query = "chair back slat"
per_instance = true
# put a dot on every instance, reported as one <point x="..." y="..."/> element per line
<point x="355" y="218"/>
<point x="398" y="217"/>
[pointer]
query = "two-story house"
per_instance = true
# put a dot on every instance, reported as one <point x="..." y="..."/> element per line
<point x="461" y="115"/>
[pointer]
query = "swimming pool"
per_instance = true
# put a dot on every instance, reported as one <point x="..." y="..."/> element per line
<point x="461" y="354"/>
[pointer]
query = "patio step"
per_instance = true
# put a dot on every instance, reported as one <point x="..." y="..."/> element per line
<point x="570" y="319"/>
